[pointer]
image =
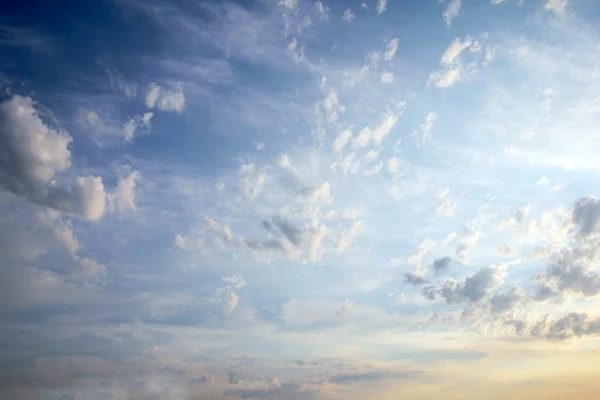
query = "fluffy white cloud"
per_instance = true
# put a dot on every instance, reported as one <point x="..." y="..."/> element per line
<point x="164" y="99"/>
<point x="92" y="197"/>
<point x="31" y="152"/>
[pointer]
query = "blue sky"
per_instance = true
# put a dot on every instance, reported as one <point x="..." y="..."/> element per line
<point x="299" y="200"/>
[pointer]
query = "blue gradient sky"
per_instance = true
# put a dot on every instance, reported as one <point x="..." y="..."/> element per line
<point x="299" y="200"/>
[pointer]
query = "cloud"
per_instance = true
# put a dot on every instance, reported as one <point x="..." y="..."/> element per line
<point x="453" y="52"/>
<point x="32" y="152"/>
<point x="473" y="289"/>
<point x="441" y="265"/>
<point x="131" y="126"/>
<point x="31" y="156"/>
<point x="423" y="135"/>
<point x="381" y="6"/>
<point x="558" y="7"/>
<point x="507" y="302"/>
<point x="387" y="77"/>
<point x="342" y="140"/>
<point x="122" y="198"/>
<point x="569" y="273"/>
<point x="570" y="326"/>
<point x="451" y="11"/>
<point x="586" y="216"/>
<point x="415" y="278"/>
<point x="446" y="208"/>
<point x="164" y="99"/>
<point x="321" y="10"/>
<point x="348" y="15"/>
<point x="236" y="281"/>
<point x="390" y="49"/>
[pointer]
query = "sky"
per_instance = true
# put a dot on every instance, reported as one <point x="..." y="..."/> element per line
<point x="299" y="200"/>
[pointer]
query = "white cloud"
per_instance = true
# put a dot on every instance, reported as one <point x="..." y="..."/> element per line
<point x="32" y="154"/>
<point x="122" y="198"/>
<point x="390" y="49"/>
<point x="374" y="170"/>
<point x="30" y="151"/>
<point x="423" y="134"/>
<point x="236" y="281"/>
<point x="291" y="4"/>
<point x="557" y="7"/>
<point x="447" y="78"/>
<point x="452" y="10"/>
<point x="296" y="51"/>
<point x="131" y="126"/>
<point x="348" y="15"/>
<point x="443" y="192"/>
<point x="346" y="238"/>
<point x="227" y="233"/>
<point x="321" y="10"/>
<point x="211" y="224"/>
<point x="164" y="99"/>
<point x="446" y="208"/>
<point x="385" y="127"/>
<point x="453" y="52"/>
<point x="92" y="197"/>
<point x="451" y="236"/>
<point x="387" y="77"/>
<point x="342" y="140"/>
<point x="315" y="243"/>
<point x="381" y="6"/>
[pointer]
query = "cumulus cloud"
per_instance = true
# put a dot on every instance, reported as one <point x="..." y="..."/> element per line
<point x="164" y="99"/>
<point x="473" y="289"/>
<point x="381" y="6"/>
<point x="570" y="326"/>
<point x="569" y="272"/>
<point x="32" y="154"/>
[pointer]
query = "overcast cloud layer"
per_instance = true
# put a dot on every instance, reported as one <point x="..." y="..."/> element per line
<point x="300" y="200"/>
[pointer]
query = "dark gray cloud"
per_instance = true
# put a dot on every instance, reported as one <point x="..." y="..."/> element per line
<point x="441" y="265"/>
<point x="586" y="216"/>
<point x="570" y="326"/>
<point x="569" y="272"/>
<point x="503" y="302"/>
<point x="415" y="279"/>
<point x="473" y="289"/>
